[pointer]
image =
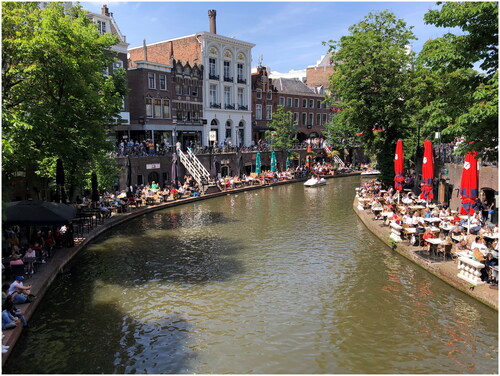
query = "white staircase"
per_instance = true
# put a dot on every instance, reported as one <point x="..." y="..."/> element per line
<point x="337" y="159"/>
<point x="195" y="168"/>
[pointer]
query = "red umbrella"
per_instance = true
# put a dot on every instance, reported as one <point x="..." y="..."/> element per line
<point x="399" y="166"/>
<point x="427" y="172"/>
<point x="309" y="156"/>
<point x="469" y="184"/>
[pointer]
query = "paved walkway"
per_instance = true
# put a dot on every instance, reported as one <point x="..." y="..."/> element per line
<point x="445" y="270"/>
<point x="48" y="272"/>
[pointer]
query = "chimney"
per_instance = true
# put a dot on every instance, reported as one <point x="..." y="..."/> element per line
<point x="211" y="16"/>
<point x="105" y="10"/>
<point x="145" y="50"/>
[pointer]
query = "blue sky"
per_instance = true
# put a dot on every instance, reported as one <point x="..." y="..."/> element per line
<point x="288" y="35"/>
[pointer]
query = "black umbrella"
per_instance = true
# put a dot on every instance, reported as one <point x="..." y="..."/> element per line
<point x="95" y="190"/>
<point x="32" y="213"/>
<point x="174" y="169"/>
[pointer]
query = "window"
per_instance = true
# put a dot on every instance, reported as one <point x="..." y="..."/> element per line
<point x="151" y="80"/>
<point x="228" y="132"/>
<point x="269" y="112"/>
<point x="289" y="102"/>
<point x="269" y="94"/>
<point x="240" y="96"/>
<point x="195" y="91"/>
<point x="311" y="103"/>
<point x="149" y="107"/>
<point x="157" y="109"/>
<point x="296" y="118"/>
<point x="213" y="94"/>
<point x="211" y="67"/>
<point x="101" y="26"/>
<point x="324" y="118"/>
<point x="240" y="72"/>
<point x="304" y="103"/>
<point x="259" y="93"/>
<point x="163" y="81"/>
<point x="304" y="118"/>
<point x="311" y="119"/>
<point x="227" y="69"/>
<point x="258" y="111"/>
<point x="296" y="102"/>
<point x="227" y="95"/>
<point x="187" y="90"/>
<point x="282" y="101"/>
<point x="318" y="119"/>
<point x="166" y="108"/>
<point x="319" y="104"/>
<point x="178" y="89"/>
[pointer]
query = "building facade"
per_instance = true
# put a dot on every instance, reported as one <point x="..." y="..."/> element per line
<point x="107" y="24"/>
<point x="310" y="113"/>
<point x="225" y="91"/>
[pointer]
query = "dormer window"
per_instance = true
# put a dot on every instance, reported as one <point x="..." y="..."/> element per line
<point x="101" y="26"/>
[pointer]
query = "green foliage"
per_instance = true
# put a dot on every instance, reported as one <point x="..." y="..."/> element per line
<point x="372" y="77"/>
<point x="56" y="102"/>
<point x="463" y="102"/>
<point x="283" y="131"/>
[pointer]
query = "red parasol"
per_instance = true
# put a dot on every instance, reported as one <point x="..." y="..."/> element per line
<point x="469" y="184"/>
<point x="399" y="166"/>
<point x="308" y="156"/>
<point x="427" y="172"/>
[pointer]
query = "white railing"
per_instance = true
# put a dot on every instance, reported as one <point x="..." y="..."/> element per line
<point x="195" y="168"/>
<point x="470" y="270"/>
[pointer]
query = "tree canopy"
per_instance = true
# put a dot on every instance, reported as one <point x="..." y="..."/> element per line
<point x="371" y="79"/>
<point x="56" y="101"/>
<point x="283" y="130"/>
<point x="465" y="102"/>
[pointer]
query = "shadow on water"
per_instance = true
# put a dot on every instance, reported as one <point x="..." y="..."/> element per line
<point x="92" y="299"/>
<point x="101" y="339"/>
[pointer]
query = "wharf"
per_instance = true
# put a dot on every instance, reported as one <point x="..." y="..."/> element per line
<point x="444" y="270"/>
<point x="48" y="272"/>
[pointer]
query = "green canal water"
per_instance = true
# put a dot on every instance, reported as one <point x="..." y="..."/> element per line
<point x="280" y="280"/>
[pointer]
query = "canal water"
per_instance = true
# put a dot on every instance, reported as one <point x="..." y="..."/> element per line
<point x="279" y="280"/>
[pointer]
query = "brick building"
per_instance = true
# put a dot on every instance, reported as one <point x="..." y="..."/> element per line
<point x="225" y="91"/>
<point x="306" y="104"/>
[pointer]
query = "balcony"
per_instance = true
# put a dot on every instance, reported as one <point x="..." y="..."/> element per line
<point x="229" y="107"/>
<point x="213" y="77"/>
<point x="242" y="80"/>
<point x="215" y="105"/>
<point x="243" y="108"/>
<point x="228" y="79"/>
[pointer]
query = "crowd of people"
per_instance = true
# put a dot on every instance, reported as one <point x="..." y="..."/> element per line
<point x="437" y="229"/>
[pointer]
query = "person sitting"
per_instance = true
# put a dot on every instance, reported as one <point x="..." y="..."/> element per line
<point x="19" y="291"/>
<point x="8" y="321"/>
<point x="462" y="246"/>
<point x="50" y="242"/>
<point x="15" y="312"/>
<point x="478" y="243"/>
<point x="490" y="262"/>
<point x="428" y="235"/>
<point x="29" y="258"/>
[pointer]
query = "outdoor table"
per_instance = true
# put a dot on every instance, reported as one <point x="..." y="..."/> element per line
<point x="434" y="229"/>
<point x="407" y="201"/>
<point x="416" y="207"/>
<point x="434" y="244"/>
<point x="491" y="236"/>
<point x="432" y="220"/>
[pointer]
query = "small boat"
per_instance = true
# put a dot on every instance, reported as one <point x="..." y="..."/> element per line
<point x="371" y="172"/>
<point x="315" y="182"/>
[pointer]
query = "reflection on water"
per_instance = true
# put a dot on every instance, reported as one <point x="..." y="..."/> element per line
<point x="282" y="280"/>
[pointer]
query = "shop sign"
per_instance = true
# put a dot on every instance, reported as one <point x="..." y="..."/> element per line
<point x="152" y="166"/>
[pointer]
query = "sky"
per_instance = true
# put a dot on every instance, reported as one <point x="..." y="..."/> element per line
<point x="288" y="35"/>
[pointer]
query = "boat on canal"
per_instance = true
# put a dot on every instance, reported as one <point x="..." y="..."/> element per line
<point x="315" y="182"/>
<point x="370" y="172"/>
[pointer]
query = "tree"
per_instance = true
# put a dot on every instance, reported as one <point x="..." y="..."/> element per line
<point x="283" y="129"/>
<point x="467" y="104"/>
<point x="372" y="75"/>
<point x="56" y="102"/>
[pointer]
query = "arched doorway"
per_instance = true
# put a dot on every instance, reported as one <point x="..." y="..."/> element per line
<point x="228" y="135"/>
<point x="214" y="127"/>
<point x="301" y="136"/>
<point x="153" y="177"/>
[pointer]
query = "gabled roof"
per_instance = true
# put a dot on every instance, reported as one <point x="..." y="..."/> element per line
<point x="292" y="85"/>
